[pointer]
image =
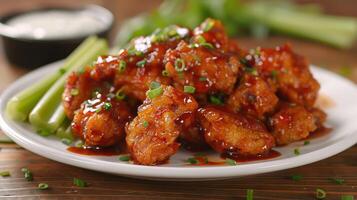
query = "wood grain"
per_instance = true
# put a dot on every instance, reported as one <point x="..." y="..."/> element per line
<point x="271" y="186"/>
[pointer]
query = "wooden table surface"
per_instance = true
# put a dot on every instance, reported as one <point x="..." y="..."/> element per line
<point x="275" y="185"/>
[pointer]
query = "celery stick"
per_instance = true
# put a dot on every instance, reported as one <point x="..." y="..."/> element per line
<point x="48" y="114"/>
<point x="336" y="31"/>
<point x="19" y="106"/>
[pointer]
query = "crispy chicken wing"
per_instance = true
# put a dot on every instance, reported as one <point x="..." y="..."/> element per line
<point x="152" y="135"/>
<point x="100" y="121"/>
<point x="291" y="123"/>
<point x="234" y="134"/>
<point x="253" y="96"/>
<point x="286" y="72"/>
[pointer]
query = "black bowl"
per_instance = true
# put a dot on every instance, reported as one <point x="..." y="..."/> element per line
<point x="32" y="53"/>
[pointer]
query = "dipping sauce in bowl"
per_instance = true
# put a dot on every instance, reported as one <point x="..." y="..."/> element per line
<point x="37" y="37"/>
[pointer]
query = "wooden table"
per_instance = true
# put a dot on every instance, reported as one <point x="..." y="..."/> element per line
<point x="274" y="186"/>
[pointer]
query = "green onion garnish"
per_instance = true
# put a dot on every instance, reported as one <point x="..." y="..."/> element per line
<point x="189" y="89"/>
<point x="124" y="158"/>
<point x="66" y="141"/>
<point x="5" y="173"/>
<point x="155" y="92"/>
<point x="42" y="186"/>
<point x="62" y="71"/>
<point x="122" y="66"/>
<point x="79" y="144"/>
<point x="154" y="85"/>
<point x="132" y="51"/>
<point x="250" y="194"/>
<point x="43" y="133"/>
<point x="251" y="70"/>
<point x="208" y="25"/>
<point x="337" y="181"/>
<point x="307" y="142"/>
<point x="78" y="182"/>
<point x="27" y="174"/>
<point x="230" y="162"/>
<point x="215" y="100"/>
<point x="145" y="124"/>
<point x="347" y="197"/>
<point x="141" y="63"/>
<point x="202" y="78"/>
<point x="74" y="92"/>
<point x="120" y="95"/>
<point x="179" y="65"/>
<point x="202" y="42"/>
<point x="320" y="193"/>
<point x="296" y="177"/>
<point x="192" y="161"/>
<point x="297" y="151"/>
<point x="274" y="74"/>
<point x="165" y="72"/>
<point x="107" y="106"/>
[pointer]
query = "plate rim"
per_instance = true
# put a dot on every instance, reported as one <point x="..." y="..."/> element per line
<point x="165" y="172"/>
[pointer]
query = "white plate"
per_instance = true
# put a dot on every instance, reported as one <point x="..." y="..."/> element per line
<point x="341" y="116"/>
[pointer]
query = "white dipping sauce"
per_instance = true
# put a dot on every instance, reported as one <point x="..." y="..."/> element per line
<point x="55" y="24"/>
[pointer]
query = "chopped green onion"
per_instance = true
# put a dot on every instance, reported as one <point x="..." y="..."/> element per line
<point x="208" y="25"/>
<point x="80" y="183"/>
<point x="122" y="66"/>
<point x="145" y="124"/>
<point x="154" y="85"/>
<point x="62" y="70"/>
<point x="179" y="65"/>
<point x="74" y="92"/>
<point x="79" y="144"/>
<point x="133" y="52"/>
<point x="192" y="161"/>
<point x="124" y="158"/>
<point x="189" y="89"/>
<point x="42" y="186"/>
<point x="231" y="162"/>
<point x="297" y="151"/>
<point x="5" y="173"/>
<point x="43" y="133"/>
<point x="307" y="142"/>
<point x="155" y="92"/>
<point x="165" y="72"/>
<point x="202" y="42"/>
<point x="296" y="177"/>
<point x="345" y="71"/>
<point x="320" y="193"/>
<point x="215" y="100"/>
<point x="337" y="181"/>
<point x="66" y="141"/>
<point x="250" y="193"/>
<point x="274" y="74"/>
<point x="107" y="106"/>
<point x="27" y="174"/>
<point x="251" y="70"/>
<point x="141" y="63"/>
<point x="120" y="95"/>
<point x="202" y="78"/>
<point x="347" y="197"/>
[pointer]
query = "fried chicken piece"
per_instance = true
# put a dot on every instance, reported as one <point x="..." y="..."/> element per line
<point x="144" y="60"/>
<point x="286" y="72"/>
<point x="291" y="123"/>
<point x="234" y="134"/>
<point x="152" y="135"/>
<point x="100" y="121"/>
<point x="208" y="70"/>
<point x="253" y="96"/>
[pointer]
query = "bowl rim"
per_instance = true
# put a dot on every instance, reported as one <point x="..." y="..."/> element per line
<point x="103" y="13"/>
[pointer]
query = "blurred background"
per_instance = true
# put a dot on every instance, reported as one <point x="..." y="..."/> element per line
<point x="322" y="30"/>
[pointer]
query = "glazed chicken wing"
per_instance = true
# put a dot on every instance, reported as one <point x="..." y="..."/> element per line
<point x="152" y="135"/>
<point x="234" y="134"/>
<point x="292" y="123"/>
<point x="286" y="72"/>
